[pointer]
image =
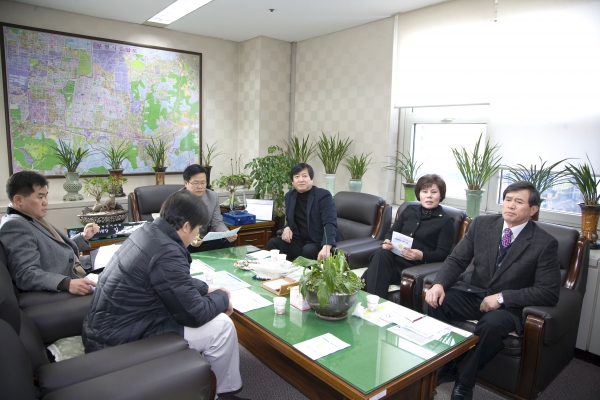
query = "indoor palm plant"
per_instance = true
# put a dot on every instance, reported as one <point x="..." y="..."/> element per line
<point x="357" y="166"/>
<point x="407" y="167"/>
<point x="331" y="152"/>
<point x="70" y="157"/>
<point x="300" y="151"/>
<point x="476" y="168"/>
<point x="543" y="178"/>
<point x="329" y="286"/>
<point x="206" y="158"/>
<point x="584" y="177"/>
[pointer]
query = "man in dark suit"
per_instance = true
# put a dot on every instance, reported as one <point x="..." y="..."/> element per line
<point x="311" y="219"/>
<point x="516" y="265"/>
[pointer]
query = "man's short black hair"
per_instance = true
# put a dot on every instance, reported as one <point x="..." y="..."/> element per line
<point x="296" y="169"/>
<point x="192" y="170"/>
<point x="534" y="194"/>
<point x="22" y="183"/>
<point x="184" y="206"/>
<point x="429" y="180"/>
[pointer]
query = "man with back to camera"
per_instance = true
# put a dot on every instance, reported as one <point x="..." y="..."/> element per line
<point x="516" y="265"/>
<point x="194" y="179"/>
<point x="39" y="256"/>
<point x="147" y="290"/>
<point x="311" y="220"/>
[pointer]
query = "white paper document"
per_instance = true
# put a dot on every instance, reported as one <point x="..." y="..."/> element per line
<point x="104" y="255"/>
<point x="225" y="279"/>
<point x="245" y="300"/>
<point x="200" y="267"/>
<point x="263" y="209"/>
<point x="259" y="255"/>
<point x="400" y="241"/>
<point x="321" y="346"/>
<point x="428" y="327"/>
<point x="219" y="235"/>
<point x="276" y="284"/>
<point x="414" y="349"/>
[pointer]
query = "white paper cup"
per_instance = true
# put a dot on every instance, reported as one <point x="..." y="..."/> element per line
<point x="372" y="302"/>
<point x="208" y="278"/>
<point x="279" y="305"/>
<point x="274" y="254"/>
<point x="281" y="258"/>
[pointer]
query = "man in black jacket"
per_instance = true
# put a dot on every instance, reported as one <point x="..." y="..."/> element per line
<point x="146" y="290"/>
<point x="311" y="219"/>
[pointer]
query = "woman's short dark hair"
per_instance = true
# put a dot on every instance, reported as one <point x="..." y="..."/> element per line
<point x="22" y="183"/>
<point x="192" y="170"/>
<point x="534" y="194"/>
<point x="296" y="169"/>
<point x="184" y="206"/>
<point x="429" y="180"/>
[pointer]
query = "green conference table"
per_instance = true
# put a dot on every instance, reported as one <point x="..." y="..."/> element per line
<point x="373" y="367"/>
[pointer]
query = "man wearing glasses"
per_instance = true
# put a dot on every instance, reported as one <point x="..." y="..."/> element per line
<point x="194" y="179"/>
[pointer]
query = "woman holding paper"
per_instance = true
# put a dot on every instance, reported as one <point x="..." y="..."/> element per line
<point x="427" y="226"/>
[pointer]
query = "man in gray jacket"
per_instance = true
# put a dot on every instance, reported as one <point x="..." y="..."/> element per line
<point x="41" y="257"/>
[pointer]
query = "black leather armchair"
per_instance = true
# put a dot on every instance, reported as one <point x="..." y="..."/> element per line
<point x="363" y="220"/>
<point x="146" y="200"/>
<point x="528" y="364"/>
<point x="155" y="368"/>
<point x="411" y="285"/>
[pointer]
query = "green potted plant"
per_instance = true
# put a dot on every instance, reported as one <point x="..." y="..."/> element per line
<point x="271" y="177"/>
<point x="329" y="286"/>
<point x="157" y="151"/>
<point x="331" y="151"/>
<point x="206" y="158"/>
<point x="543" y="178"/>
<point x="406" y="167"/>
<point x="115" y="155"/>
<point x="300" y="151"/>
<point x="584" y="177"/>
<point x="357" y="165"/>
<point x="109" y="212"/>
<point x="476" y="169"/>
<point x="70" y="157"/>
<point x="233" y="182"/>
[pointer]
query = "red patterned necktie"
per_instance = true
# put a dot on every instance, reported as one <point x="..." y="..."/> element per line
<point x="506" y="237"/>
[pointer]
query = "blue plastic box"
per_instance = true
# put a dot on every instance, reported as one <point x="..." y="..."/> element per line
<point x="239" y="218"/>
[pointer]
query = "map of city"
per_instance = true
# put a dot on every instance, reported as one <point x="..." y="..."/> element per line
<point x="93" y="94"/>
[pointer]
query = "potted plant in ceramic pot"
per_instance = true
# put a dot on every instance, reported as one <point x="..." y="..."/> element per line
<point x="357" y="166"/>
<point x="206" y="158"/>
<point x="70" y="157"/>
<point x="233" y="182"/>
<point x="300" y="151"/>
<point x="330" y="287"/>
<point x="115" y="155"/>
<point x="584" y="177"/>
<point x="109" y="212"/>
<point x="157" y="151"/>
<point x="476" y="169"/>
<point x="331" y="151"/>
<point x="408" y="168"/>
<point x="543" y="178"/>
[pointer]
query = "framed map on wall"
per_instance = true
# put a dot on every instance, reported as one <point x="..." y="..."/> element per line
<point x="96" y="93"/>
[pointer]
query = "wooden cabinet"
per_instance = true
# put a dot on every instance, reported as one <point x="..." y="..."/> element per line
<point x="257" y="234"/>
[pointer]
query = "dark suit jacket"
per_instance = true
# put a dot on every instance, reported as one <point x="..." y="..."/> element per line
<point x="320" y="213"/>
<point x="528" y="276"/>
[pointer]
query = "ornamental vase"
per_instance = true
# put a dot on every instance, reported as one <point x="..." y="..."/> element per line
<point x="409" y="192"/>
<point x="589" y="223"/>
<point x="208" y="168"/>
<point x="72" y="186"/>
<point x="159" y="175"/>
<point x="336" y="308"/>
<point x="355" y="185"/>
<point x="474" y="202"/>
<point x="330" y="183"/>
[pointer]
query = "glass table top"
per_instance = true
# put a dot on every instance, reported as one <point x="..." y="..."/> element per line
<point x="375" y="356"/>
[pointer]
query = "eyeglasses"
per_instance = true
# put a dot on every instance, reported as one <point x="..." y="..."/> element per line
<point x="197" y="184"/>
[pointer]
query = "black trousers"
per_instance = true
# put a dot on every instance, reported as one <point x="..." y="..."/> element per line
<point x="295" y="248"/>
<point x="385" y="269"/>
<point x="210" y="245"/>
<point x="493" y="327"/>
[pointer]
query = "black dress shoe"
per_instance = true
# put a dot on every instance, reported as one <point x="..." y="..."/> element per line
<point x="461" y="392"/>
<point x="448" y="372"/>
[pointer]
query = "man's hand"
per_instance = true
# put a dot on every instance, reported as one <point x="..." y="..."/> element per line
<point x="490" y="303"/>
<point x="229" y="310"/>
<point x="210" y="290"/>
<point x="81" y="286"/>
<point x="324" y="253"/>
<point x="412" y="254"/>
<point x="287" y="234"/>
<point x="435" y="295"/>
<point x="197" y="241"/>
<point x="232" y="239"/>
<point x="90" y="230"/>
<point x="386" y="245"/>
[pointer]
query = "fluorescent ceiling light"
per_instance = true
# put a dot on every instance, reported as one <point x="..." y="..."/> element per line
<point x="175" y="11"/>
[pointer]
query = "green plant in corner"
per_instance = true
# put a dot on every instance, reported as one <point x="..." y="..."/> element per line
<point x="210" y="154"/>
<point x="405" y="166"/>
<point x="68" y="156"/>
<point x="329" y="276"/>
<point x="157" y="151"/>
<point x="331" y="151"/>
<point x="475" y="168"/>
<point x="271" y="177"/>
<point x="584" y="177"/>
<point x="233" y="182"/>
<point x="543" y="178"/>
<point x="116" y="155"/>
<point x="358" y="165"/>
<point x="300" y="151"/>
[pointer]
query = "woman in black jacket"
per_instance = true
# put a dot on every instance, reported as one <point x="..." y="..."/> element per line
<point x="431" y="229"/>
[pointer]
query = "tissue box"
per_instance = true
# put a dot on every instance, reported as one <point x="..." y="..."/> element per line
<point x="236" y="218"/>
<point x="297" y="300"/>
